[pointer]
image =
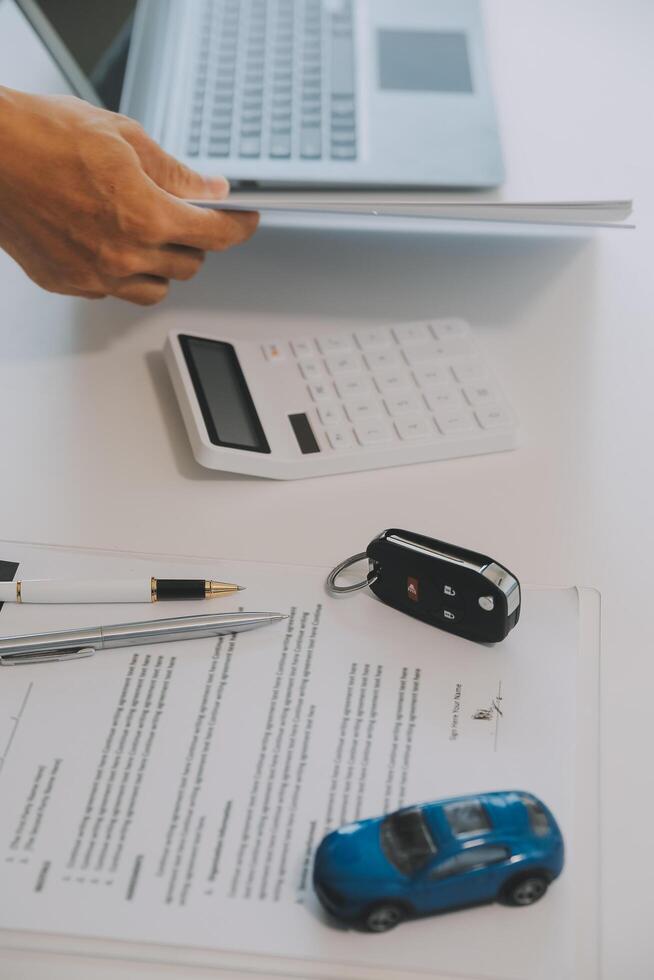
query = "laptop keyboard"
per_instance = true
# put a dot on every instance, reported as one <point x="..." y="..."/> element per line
<point x="274" y="79"/>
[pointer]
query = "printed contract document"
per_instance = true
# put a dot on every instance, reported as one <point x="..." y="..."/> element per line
<point x="174" y="795"/>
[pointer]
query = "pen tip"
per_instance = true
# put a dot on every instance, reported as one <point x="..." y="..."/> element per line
<point x="213" y="589"/>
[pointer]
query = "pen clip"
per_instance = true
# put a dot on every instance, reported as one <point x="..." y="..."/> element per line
<point x="45" y="656"/>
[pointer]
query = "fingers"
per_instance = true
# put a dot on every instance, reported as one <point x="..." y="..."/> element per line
<point x="168" y="173"/>
<point x="205" y="228"/>
<point x="143" y="290"/>
<point x="178" y="222"/>
<point x="142" y="276"/>
<point x="169" y="262"/>
<point x="178" y="262"/>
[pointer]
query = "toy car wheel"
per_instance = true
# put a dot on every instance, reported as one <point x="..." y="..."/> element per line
<point x="382" y="917"/>
<point x="525" y="891"/>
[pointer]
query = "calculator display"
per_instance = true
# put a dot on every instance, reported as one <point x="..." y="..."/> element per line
<point x="223" y="395"/>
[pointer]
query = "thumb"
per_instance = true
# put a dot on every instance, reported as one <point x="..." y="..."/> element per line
<point x="173" y="176"/>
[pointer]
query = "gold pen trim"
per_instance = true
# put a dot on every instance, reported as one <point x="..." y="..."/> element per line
<point x="214" y="589"/>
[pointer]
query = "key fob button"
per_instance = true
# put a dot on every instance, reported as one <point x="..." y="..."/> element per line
<point x="451" y="614"/>
<point x="487" y="603"/>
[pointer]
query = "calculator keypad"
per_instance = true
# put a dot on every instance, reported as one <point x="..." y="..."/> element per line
<point x="405" y="403"/>
<point x="379" y="386"/>
<point x="374" y="433"/>
<point x="349" y="387"/>
<point x="373" y="338"/>
<point x="414" y="426"/>
<point x="330" y="413"/>
<point x="311" y="368"/>
<point x="340" y="364"/>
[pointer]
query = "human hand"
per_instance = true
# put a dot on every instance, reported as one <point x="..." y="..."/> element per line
<point x="90" y="205"/>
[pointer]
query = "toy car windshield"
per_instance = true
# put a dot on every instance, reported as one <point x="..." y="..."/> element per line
<point x="407" y="841"/>
<point x="466" y="817"/>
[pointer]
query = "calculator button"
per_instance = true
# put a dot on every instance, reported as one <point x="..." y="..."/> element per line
<point x="352" y="387"/>
<point x="412" y="333"/>
<point x="311" y="368"/>
<point x="467" y="369"/>
<point x="433" y="374"/>
<point x="273" y="351"/>
<point x="375" y="432"/>
<point x="479" y="395"/>
<point x="344" y="364"/>
<point x="330" y="413"/>
<point x="339" y="437"/>
<point x="304" y="347"/>
<point x="376" y="359"/>
<point x="414" y="427"/>
<point x="492" y="417"/>
<point x="392" y="381"/>
<point x="373" y="338"/>
<point x="449" y="328"/>
<point x="321" y="391"/>
<point x="403" y="403"/>
<point x="453" y="347"/>
<point x="423" y="354"/>
<point x="362" y="408"/>
<point x="443" y="396"/>
<point x="455" y="420"/>
<point x="333" y="343"/>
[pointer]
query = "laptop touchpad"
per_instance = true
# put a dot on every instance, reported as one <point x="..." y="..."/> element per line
<point x="424" y="61"/>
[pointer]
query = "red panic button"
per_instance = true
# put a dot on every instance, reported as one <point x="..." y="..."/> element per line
<point x="412" y="589"/>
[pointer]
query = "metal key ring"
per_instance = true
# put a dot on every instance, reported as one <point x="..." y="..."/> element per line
<point x="335" y="589"/>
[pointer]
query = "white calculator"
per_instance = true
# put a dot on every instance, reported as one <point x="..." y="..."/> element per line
<point x="338" y="402"/>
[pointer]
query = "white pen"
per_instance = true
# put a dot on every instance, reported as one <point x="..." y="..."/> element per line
<point x="38" y="648"/>
<point x="113" y="590"/>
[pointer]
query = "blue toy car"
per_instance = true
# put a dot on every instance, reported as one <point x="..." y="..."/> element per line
<point x="438" y="856"/>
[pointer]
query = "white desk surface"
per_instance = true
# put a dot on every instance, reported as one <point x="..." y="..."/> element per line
<point x="93" y="450"/>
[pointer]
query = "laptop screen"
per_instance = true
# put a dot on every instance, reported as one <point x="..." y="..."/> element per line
<point x="89" y="40"/>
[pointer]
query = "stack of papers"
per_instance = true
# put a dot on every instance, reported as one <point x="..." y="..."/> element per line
<point x="163" y="803"/>
<point x="593" y="213"/>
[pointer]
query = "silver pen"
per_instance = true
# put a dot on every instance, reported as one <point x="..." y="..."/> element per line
<point x="39" y="648"/>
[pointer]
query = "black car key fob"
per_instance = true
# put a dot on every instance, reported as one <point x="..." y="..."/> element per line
<point x="446" y="586"/>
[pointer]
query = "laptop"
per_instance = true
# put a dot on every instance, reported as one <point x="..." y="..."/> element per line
<point x="291" y="93"/>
